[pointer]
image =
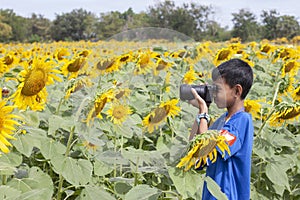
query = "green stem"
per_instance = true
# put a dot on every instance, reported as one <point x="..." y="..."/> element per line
<point x="4" y="179"/>
<point x="61" y="178"/>
<point x="272" y="108"/>
<point x="265" y="122"/>
<point x="59" y="105"/>
<point x="136" y="171"/>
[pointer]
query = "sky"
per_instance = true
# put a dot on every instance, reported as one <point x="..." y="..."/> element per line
<point x="223" y="9"/>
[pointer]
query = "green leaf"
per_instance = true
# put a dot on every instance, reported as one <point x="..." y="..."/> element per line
<point x="123" y="130"/>
<point x="76" y="172"/>
<point x="9" y="162"/>
<point x="9" y="193"/>
<point x="277" y="175"/>
<point x="38" y="183"/>
<point x="31" y="118"/>
<point x="188" y="184"/>
<point x="52" y="148"/>
<point x="101" y="168"/>
<point x="152" y="158"/>
<point x="36" y="194"/>
<point x="94" y="193"/>
<point x="111" y="157"/>
<point x="24" y="144"/>
<point x="122" y="188"/>
<point x="215" y="189"/>
<point x="142" y="192"/>
<point x="56" y="122"/>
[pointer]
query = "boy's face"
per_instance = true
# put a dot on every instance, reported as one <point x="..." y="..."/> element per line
<point x="224" y="96"/>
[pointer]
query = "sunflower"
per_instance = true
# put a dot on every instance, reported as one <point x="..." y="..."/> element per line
<point x="122" y="93"/>
<point x="3" y="68"/>
<point x="160" y="114"/>
<point x="190" y="76"/>
<point x="90" y="146"/>
<point x="61" y="54"/>
<point x="73" y="67"/>
<point x="161" y="65"/>
<point x="167" y="81"/>
<point x="7" y="125"/>
<point x="144" y="63"/>
<point x="77" y="84"/>
<point x="285" y="54"/>
<point x="98" y="105"/>
<point x="84" y="53"/>
<point x="118" y="113"/>
<point x="108" y="65"/>
<point x="253" y="107"/>
<point x="291" y="67"/>
<point x="202" y="148"/>
<point x="285" y="113"/>
<point x="124" y="58"/>
<point x="223" y="54"/>
<point x="33" y="79"/>
<point x="10" y="59"/>
<point x="296" y="94"/>
<point x="265" y="50"/>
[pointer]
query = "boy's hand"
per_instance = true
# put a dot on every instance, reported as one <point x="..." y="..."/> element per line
<point x="198" y="102"/>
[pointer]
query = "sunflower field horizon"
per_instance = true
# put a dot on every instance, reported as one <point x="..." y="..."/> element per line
<point x="83" y="120"/>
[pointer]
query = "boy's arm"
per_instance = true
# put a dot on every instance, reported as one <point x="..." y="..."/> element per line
<point x="203" y="124"/>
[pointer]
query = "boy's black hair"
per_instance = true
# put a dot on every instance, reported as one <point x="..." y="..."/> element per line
<point x="235" y="71"/>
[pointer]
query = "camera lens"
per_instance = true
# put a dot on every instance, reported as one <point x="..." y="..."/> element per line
<point x="206" y="92"/>
<point x="185" y="92"/>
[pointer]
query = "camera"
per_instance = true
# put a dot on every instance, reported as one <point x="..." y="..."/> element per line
<point x="206" y="92"/>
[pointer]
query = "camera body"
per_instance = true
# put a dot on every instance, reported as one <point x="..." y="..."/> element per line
<point x="206" y="92"/>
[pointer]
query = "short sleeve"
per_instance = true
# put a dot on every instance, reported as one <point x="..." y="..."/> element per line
<point x="233" y="140"/>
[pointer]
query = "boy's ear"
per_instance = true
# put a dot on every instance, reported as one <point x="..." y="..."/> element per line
<point x="238" y="90"/>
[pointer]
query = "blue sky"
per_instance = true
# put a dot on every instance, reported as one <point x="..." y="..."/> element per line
<point x="224" y="9"/>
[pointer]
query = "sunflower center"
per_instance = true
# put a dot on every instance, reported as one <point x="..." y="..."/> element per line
<point x="161" y="65"/>
<point x="124" y="58"/>
<point x="76" y="65"/>
<point x="160" y="114"/>
<point x="99" y="106"/>
<point x="118" y="112"/>
<point x="290" y="113"/>
<point x="34" y="83"/>
<point x="223" y="54"/>
<point x="120" y="94"/>
<point x="105" y="65"/>
<point x="8" y="60"/>
<point x="205" y="150"/>
<point x="289" y="66"/>
<point x="265" y="49"/>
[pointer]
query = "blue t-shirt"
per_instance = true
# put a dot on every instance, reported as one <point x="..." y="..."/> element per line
<point x="232" y="173"/>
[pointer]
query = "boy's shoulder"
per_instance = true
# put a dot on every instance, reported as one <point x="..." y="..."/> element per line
<point x="242" y="116"/>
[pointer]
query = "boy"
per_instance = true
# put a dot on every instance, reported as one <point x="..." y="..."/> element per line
<point x="233" y="80"/>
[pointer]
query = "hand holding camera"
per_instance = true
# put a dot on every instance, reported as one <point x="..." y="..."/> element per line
<point x="190" y="92"/>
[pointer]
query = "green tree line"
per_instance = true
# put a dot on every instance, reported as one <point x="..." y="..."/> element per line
<point x="192" y="19"/>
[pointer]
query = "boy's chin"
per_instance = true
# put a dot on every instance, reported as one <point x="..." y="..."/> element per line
<point x="220" y="106"/>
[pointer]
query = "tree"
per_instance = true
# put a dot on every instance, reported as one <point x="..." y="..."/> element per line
<point x="288" y="27"/>
<point x="189" y="19"/>
<point x="269" y="21"/>
<point x="77" y="25"/>
<point x="18" y="24"/>
<point x="110" y="24"/>
<point x="39" y="28"/>
<point x="245" y="25"/>
<point x="5" y="31"/>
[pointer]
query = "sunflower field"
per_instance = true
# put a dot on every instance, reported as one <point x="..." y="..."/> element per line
<point x="103" y="120"/>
